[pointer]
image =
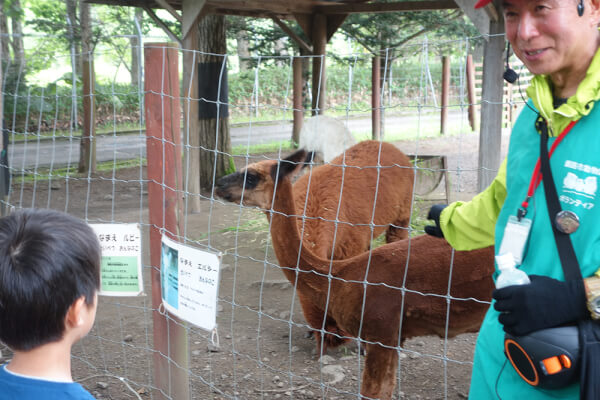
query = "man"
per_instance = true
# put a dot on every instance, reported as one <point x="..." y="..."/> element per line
<point x="558" y="41"/>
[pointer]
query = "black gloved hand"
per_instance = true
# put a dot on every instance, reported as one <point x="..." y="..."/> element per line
<point x="544" y="303"/>
<point x="434" y="214"/>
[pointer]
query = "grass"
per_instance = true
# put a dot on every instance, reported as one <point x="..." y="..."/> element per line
<point x="44" y="173"/>
<point x="259" y="224"/>
<point x="273" y="147"/>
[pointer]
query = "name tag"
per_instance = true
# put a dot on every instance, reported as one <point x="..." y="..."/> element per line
<point x="515" y="237"/>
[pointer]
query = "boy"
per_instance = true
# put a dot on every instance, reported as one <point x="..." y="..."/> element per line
<point x="49" y="278"/>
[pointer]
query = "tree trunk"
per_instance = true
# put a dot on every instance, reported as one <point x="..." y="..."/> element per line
<point x="17" y="32"/>
<point x="243" y="47"/>
<point x="74" y="34"/>
<point x="87" y="153"/>
<point x="215" y="142"/>
<point x="4" y="30"/>
<point x="135" y="50"/>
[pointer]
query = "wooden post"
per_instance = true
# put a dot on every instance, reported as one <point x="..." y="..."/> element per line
<point x="376" y="98"/>
<point x="88" y="138"/>
<point x="490" y="136"/>
<point x="471" y="92"/>
<point x="319" y="77"/>
<point x="445" y="93"/>
<point x="297" y="102"/>
<point x="191" y="120"/>
<point x="163" y="148"/>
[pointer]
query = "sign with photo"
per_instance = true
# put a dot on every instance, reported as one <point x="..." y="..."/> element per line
<point x="189" y="283"/>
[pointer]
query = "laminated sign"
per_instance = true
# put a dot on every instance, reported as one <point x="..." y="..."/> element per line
<point x="189" y="283"/>
<point x="121" y="265"/>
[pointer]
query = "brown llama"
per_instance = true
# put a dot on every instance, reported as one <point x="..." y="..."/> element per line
<point x="367" y="171"/>
<point x="394" y="292"/>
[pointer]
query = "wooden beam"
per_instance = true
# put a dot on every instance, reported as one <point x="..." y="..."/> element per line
<point x="354" y="8"/>
<point x="334" y="22"/>
<point x="163" y="25"/>
<point x="297" y="99"/>
<point x="492" y="12"/>
<point x="319" y="75"/>
<point x="471" y="92"/>
<point x="445" y="94"/>
<point x="478" y="17"/>
<point x="293" y="35"/>
<point x="171" y="10"/>
<point x="490" y="135"/>
<point x="192" y="11"/>
<point x="272" y="6"/>
<point x="305" y="22"/>
<point x="286" y="8"/>
<point x="376" y="98"/>
<point x="165" y="208"/>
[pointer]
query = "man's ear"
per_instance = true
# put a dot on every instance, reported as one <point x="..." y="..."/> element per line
<point x="594" y="9"/>
<point x="74" y="316"/>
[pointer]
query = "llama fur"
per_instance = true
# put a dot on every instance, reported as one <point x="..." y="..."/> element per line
<point x="326" y="136"/>
<point x="406" y="294"/>
<point x="354" y="177"/>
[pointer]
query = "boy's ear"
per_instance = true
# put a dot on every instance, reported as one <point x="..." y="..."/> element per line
<point x="74" y="316"/>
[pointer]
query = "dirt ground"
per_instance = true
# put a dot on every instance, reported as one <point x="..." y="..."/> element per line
<point x="263" y="351"/>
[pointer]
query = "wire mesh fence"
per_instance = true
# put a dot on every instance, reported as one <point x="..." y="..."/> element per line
<point x="412" y="289"/>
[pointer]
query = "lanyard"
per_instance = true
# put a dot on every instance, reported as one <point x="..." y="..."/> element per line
<point x="536" y="177"/>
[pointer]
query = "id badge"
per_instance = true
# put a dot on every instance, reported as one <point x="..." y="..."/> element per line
<point x="515" y="237"/>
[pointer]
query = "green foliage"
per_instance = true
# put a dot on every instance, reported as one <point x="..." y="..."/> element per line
<point x="348" y="87"/>
<point x="24" y="103"/>
<point x="397" y="30"/>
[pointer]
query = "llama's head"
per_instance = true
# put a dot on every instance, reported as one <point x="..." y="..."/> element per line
<point x="255" y="184"/>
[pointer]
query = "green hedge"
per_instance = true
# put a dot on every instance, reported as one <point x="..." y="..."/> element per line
<point x="121" y="102"/>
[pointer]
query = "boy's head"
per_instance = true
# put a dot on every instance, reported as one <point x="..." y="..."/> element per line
<point x="48" y="260"/>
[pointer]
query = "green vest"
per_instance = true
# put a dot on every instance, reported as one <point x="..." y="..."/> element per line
<point x="575" y="167"/>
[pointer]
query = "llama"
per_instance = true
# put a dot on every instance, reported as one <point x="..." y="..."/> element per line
<point x="405" y="295"/>
<point x="353" y="177"/>
<point x="325" y="136"/>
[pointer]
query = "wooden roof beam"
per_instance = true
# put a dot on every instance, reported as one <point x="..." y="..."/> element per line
<point x="192" y="11"/>
<point x="164" y="4"/>
<point x="424" y="5"/>
<point x="163" y="26"/>
<point x="293" y="35"/>
<point x="262" y="7"/>
<point x="334" y="21"/>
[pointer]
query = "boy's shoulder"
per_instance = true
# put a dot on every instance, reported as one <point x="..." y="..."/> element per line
<point x="25" y="388"/>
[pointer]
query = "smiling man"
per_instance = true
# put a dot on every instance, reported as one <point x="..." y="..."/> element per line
<point x="558" y="42"/>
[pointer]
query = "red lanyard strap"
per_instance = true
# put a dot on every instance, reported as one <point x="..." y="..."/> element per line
<point x="536" y="177"/>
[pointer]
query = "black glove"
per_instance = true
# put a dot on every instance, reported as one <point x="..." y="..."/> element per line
<point x="544" y="303"/>
<point x="434" y="214"/>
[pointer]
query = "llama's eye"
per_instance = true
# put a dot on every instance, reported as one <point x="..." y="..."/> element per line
<point x="251" y="181"/>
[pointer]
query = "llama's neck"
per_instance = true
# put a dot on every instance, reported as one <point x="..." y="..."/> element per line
<point x="284" y="227"/>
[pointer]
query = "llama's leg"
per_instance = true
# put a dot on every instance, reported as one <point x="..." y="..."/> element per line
<point x="314" y="317"/>
<point x="397" y="231"/>
<point x="379" y="376"/>
<point x="334" y="336"/>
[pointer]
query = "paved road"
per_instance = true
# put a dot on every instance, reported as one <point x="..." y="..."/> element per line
<point x="61" y="152"/>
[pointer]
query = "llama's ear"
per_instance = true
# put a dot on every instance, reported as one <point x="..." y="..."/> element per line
<point x="289" y="165"/>
<point x="310" y="157"/>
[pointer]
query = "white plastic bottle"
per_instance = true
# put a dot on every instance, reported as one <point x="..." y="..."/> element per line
<point x="509" y="274"/>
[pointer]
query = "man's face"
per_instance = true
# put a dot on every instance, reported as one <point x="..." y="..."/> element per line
<point x="549" y="36"/>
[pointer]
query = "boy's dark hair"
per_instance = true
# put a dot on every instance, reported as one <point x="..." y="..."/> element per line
<point x="48" y="259"/>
